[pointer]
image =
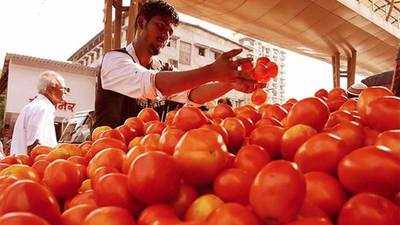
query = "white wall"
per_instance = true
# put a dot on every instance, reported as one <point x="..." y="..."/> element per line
<point x="22" y="81"/>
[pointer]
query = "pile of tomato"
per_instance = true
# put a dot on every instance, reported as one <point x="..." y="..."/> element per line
<point x="321" y="160"/>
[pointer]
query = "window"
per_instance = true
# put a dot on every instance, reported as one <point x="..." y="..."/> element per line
<point x="202" y="51"/>
<point x="185" y="51"/>
<point x="173" y="62"/>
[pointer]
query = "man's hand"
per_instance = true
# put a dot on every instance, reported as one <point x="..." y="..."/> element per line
<point x="225" y="69"/>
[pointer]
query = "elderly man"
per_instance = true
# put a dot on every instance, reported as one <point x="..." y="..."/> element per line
<point x="35" y="123"/>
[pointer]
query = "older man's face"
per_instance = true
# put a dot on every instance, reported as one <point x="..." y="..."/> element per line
<point x="56" y="93"/>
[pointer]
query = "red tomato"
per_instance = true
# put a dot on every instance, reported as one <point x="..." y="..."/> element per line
<point x="309" y="111"/>
<point x="38" y="150"/>
<point x="236" y="133"/>
<point x="131" y="156"/>
<point x="335" y="92"/>
<point x="154" y="178"/>
<point x="268" y="137"/>
<point x="325" y="191"/>
<point x="202" y="207"/>
<point x="150" y="142"/>
<point x="263" y="61"/>
<point x="113" y="134"/>
<point x="22" y="218"/>
<point x="334" y="103"/>
<point x="218" y="128"/>
<point x="222" y="111"/>
<point x="158" y="214"/>
<point x="29" y="196"/>
<point x="135" y="123"/>
<point x="371" y="136"/>
<point x="275" y="111"/>
<point x="169" y="139"/>
<point x="310" y="210"/>
<point x="248" y="125"/>
<point x="391" y="140"/>
<point x="187" y="195"/>
<point x="85" y="186"/>
<point x="110" y="215"/>
<point x="278" y="192"/>
<point x="272" y="70"/>
<point x="268" y="122"/>
<point x="102" y="144"/>
<point x="85" y="146"/>
<point x="85" y="198"/>
<point x="321" y="93"/>
<point x="20" y="172"/>
<point x="366" y="209"/>
<point x="154" y="127"/>
<point x="24" y="159"/>
<point x="368" y="95"/>
<point x="188" y="118"/>
<point x="63" y="178"/>
<point x="127" y="132"/>
<point x="110" y="157"/>
<point x="370" y="169"/>
<point x="350" y="105"/>
<point x="170" y="117"/>
<point x="259" y="96"/>
<point x="112" y="190"/>
<point x="351" y="133"/>
<point x="135" y="142"/>
<point x="148" y="114"/>
<point x="383" y="113"/>
<point x="40" y="166"/>
<point x="338" y="117"/>
<point x="98" y="131"/>
<point x="293" y="138"/>
<point x="311" y="221"/>
<point x="248" y="112"/>
<point x="76" y="214"/>
<point x="233" y="185"/>
<point x="312" y="157"/>
<point x="6" y="181"/>
<point x="232" y="213"/>
<point x="251" y="158"/>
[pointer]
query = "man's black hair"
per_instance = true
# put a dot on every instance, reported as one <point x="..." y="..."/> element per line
<point x="152" y="8"/>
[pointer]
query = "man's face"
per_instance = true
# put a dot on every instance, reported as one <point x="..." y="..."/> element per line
<point x="157" y="32"/>
<point x="56" y="93"/>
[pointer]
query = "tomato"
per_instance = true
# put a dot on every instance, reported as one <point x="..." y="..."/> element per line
<point x="158" y="214"/>
<point x="288" y="106"/>
<point x="351" y="133"/>
<point x="76" y="214"/>
<point x="268" y="137"/>
<point x="135" y="123"/>
<point x="188" y="118"/>
<point x="368" y="95"/>
<point x="85" y="186"/>
<point x="150" y="142"/>
<point x="367" y="208"/>
<point x="21" y="218"/>
<point x="154" y="178"/>
<point x="335" y="92"/>
<point x="391" y="140"/>
<point x="24" y="159"/>
<point x="154" y="127"/>
<point x="10" y="159"/>
<point x="63" y="178"/>
<point x="135" y="142"/>
<point x="322" y="152"/>
<point x="104" y="143"/>
<point x="148" y="114"/>
<point x="293" y="138"/>
<point x="131" y="156"/>
<point x="6" y="181"/>
<point x="222" y="111"/>
<point x="268" y="122"/>
<point x="334" y="103"/>
<point x="233" y="185"/>
<point x="29" y="196"/>
<point x="218" y="128"/>
<point x="112" y="190"/>
<point x="338" y="117"/>
<point x="278" y="192"/>
<point x="109" y="215"/>
<point x="98" y="131"/>
<point x="370" y="169"/>
<point x="273" y="111"/>
<point x="187" y="195"/>
<point x="40" y="166"/>
<point x="232" y="213"/>
<point x="311" y="221"/>
<point x="325" y="192"/>
<point x="202" y="207"/>
<point x="311" y="210"/>
<point x="350" y="105"/>
<point x="85" y="146"/>
<point x="248" y="125"/>
<point x="309" y="111"/>
<point x="109" y="157"/>
<point x="85" y="198"/>
<point x="248" y="112"/>
<point x="383" y="113"/>
<point x="169" y="139"/>
<point x="259" y="96"/>
<point x="371" y="136"/>
<point x="200" y="155"/>
<point x="127" y="132"/>
<point x="113" y="134"/>
<point x="251" y="158"/>
<point x="20" y="172"/>
<point x="99" y="172"/>
<point x="236" y="133"/>
<point x="321" y="93"/>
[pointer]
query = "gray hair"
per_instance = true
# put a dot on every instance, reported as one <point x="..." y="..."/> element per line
<point x="49" y="79"/>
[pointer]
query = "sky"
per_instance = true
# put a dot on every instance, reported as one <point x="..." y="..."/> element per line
<point x="55" y="29"/>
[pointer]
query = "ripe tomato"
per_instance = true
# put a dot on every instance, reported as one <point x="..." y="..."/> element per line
<point x="368" y="95"/>
<point x="169" y="139"/>
<point x="391" y="140"/>
<point x="311" y="156"/>
<point x="248" y="125"/>
<point x="6" y="181"/>
<point x="148" y="114"/>
<point x="293" y="138"/>
<point x="334" y="103"/>
<point x="21" y="218"/>
<point x="233" y="185"/>
<point x="310" y="210"/>
<point x="351" y="133"/>
<point x="200" y="155"/>
<point x="40" y="166"/>
<point x="366" y="208"/>
<point x="278" y="192"/>
<point x="38" y="150"/>
<point x="150" y="142"/>
<point x="158" y="214"/>
<point x="154" y="127"/>
<point x="127" y="132"/>
<point x="135" y="123"/>
<point x="236" y="133"/>
<point x="259" y="96"/>
<point x="109" y="157"/>
<point x="187" y="195"/>
<point x="101" y="171"/>
<point x="232" y="213"/>
<point x="268" y="122"/>
<point x="24" y="159"/>
<point x="154" y="178"/>
<point x="350" y="105"/>
<point x="114" y="133"/>
<point x="188" y="118"/>
<point x="85" y="186"/>
<point x="268" y="137"/>
<point x="109" y="215"/>
<point x="21" y="172"/>
<point x="76" y="214"/>
<point x="309" y="111"/>
<point x="370" y="169"/>
<point x="248" y="112"/>
<point x="104" y="143"/>
<point x="383" y="113"/>
<point x="131" y="156"/>
<point x="222" y="111"/>
<point x="218" y="128"/>
<point x="29" y="196"/>
<point x="63" y="178"/>
<point x="112" y="190"/>
<point x="135" y="142"/>
<point x="371" y="136"/>
<point x="311" y="221"/>
<point x="251" y="158"/>
<point x="98" y="131"/>
<point x="321" y="93"/>
<point x="338" y="117"/>
<point x="85" y="198"/>
<point x="273" y="111"/>
<point x="202" y="207"/>
<point x="325" y="192"/>
<point x="335" y="92"/>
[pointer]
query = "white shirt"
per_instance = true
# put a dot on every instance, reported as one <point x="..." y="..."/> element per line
<point x="35" y="122"/>
<point x="2" y="155"/>
<point x="119" y="73"/>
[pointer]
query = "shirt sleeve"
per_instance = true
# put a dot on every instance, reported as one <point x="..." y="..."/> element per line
<point x="119" y="73"/>
<point x="33" y="131"/>
<point x="183" y="97"/>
